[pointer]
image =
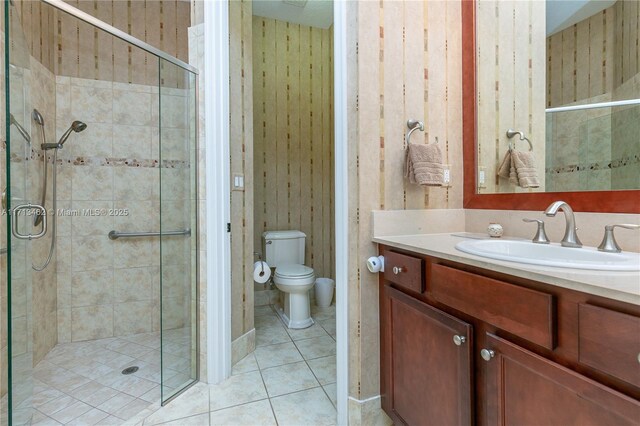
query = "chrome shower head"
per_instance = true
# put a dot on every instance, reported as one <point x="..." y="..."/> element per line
<point x="37" y="117"/>
<point x="76" y="126"/>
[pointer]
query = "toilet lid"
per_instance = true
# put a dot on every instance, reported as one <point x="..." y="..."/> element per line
<point x="294" y="271"/>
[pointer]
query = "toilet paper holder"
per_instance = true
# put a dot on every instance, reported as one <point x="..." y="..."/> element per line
<point x="255" y="253"/>
<point x="375" y="264"/>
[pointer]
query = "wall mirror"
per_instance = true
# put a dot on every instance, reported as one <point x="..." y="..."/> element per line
<point x="552" y="103"/>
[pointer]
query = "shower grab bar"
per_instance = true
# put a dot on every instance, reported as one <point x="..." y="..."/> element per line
<point x="114" y="235"/>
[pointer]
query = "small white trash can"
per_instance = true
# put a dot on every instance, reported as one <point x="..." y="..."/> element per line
<point x="324" y="292"/>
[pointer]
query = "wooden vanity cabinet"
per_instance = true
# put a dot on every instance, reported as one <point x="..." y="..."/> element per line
<point x="523" y="388"/>
<point x="472" y="346"/>
<point x="428" y="347"/>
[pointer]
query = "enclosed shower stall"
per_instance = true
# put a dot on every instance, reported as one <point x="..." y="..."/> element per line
<point x="98" y="247"/>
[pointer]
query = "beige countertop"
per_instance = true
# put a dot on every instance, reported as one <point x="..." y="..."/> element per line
<point x="622" y="286"/>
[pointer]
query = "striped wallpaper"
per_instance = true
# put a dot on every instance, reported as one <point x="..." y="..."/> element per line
<point x="69" y="47"/>
<point x="241" y="157"/>
<point x="580" y="60"/>
<point x="406" y="66"/>
<point x="627" y="49"/>
<point x="594" y="56"/>
<point x="293" y="136"/>
<point x="510" y="77"/>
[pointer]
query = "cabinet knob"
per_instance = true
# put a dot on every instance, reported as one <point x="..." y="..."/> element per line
<point x="487" y="354"/>
<point x="397" y="270"/>
<point x="459" y="340"/>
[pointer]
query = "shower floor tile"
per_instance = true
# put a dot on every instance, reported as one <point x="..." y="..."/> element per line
<point x="82" y="382"/>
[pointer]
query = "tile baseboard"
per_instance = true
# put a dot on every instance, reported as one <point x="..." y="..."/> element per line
<point x="243" y="346"/>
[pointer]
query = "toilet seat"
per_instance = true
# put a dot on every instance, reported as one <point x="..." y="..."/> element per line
<point x="293" y="274"/>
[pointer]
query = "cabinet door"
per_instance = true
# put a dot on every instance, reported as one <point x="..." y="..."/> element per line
<point x="523" y="388"/>
<point x="427" y="373"/>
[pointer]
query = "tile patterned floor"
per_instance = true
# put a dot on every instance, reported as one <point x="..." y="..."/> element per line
<point x="81" y="383"/>
<point x="289" y="380"/>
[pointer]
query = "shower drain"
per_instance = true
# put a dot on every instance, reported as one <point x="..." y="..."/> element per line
<point x="130" y="370"/>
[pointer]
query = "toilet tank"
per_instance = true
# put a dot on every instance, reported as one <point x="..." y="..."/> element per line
<point x="282" y="247"/>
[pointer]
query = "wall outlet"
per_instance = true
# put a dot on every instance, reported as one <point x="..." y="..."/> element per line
<point x="482" y="177"/>
<point x="238" y="182"/>
<point x="447" y="175"/>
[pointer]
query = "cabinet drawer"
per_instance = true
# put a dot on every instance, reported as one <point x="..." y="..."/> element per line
<point x="610" y="342"/>
<point x="527" y="313"/>
<point x="405" y="271"/>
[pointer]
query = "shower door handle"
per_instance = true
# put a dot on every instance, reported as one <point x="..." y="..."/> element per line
<point x="15" y="214"/>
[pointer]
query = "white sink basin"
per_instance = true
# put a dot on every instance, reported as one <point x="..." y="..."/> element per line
<point x="551" y="255"/>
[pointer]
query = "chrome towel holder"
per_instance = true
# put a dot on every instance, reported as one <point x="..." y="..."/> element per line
<point x="413" y="125"/>
<point x="511" y="133"/>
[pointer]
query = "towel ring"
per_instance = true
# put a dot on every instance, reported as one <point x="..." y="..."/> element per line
<point x="511" y="133"/>
<point x="413" y="125"/>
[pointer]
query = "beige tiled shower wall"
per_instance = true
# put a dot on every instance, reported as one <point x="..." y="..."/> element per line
<point x="196" y="58"/>
<point x="43" y="284"/>
<point x="406" y="66"/>
<point x="31" y="87"/>
<point x="241" y="151"/>
<point x="293" y="139"/>
<point x="111" y="287"/>
<point x="625" y="142"/>
<point x="582" y="138"/>
<point x="510" y="79"/>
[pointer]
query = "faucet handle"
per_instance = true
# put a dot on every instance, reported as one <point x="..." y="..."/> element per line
<point x="541" y="235"/>
<point x="609" y="243"/>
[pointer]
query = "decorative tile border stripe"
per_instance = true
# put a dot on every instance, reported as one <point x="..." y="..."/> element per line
<point x="614" y="164"/>
<point x="107" y="161"/>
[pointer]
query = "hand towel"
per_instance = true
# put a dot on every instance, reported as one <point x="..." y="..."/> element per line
<point x="525" y="166"/>
<point x="519" y="167"/>
<point x="423" y="165"/>
<point x="505" y="166"/>
<point x="507" y="169"/>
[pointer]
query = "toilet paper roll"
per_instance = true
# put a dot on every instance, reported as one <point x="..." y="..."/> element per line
<point x="261" y="272"/>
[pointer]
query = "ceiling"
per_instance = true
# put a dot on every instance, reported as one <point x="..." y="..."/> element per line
<point x="313" y="13"/>
<point x="562" y="14"/>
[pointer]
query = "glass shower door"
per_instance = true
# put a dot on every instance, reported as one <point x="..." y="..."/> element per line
<point x="17" y="337"/>
<point x="178" y="248"/>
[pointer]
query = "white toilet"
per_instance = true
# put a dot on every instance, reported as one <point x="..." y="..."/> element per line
<point x="284" y="250"/>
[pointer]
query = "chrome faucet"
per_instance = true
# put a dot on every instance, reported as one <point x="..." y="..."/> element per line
<point x="570" y="238"/>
